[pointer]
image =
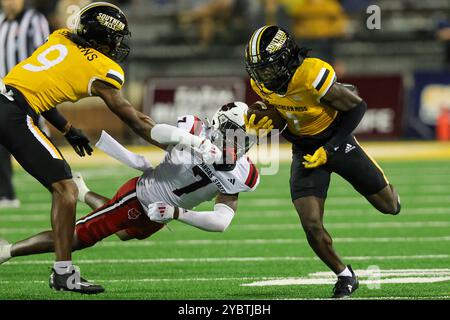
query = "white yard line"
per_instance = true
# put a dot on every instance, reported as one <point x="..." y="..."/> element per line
<point x="336" y="212"/>
<point x="375" y="298"/>
<point x="229" y="259"/>
<point x="24" y="218"/>
<point x="250" y="211"/>
<point x="321" y="281"/>
<point x="293" y="226"/>
<point x="138" y="280"/>
<point x="348" y="225"/>
<point x="19" y="216"/>
<point x="348" y="201"/>
<point x="366" y="276"/>
<point x="389" y="273"/>
<point x="269" y="241"/>
<point x="335" y="192"/>
<point x="265" y="202"/>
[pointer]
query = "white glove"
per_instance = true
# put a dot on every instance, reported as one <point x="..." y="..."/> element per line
<point x="160" y="212"/>
<point x="210" y="152"/>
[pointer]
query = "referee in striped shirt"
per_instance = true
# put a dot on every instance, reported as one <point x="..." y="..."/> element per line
<point x="22" y="30"/>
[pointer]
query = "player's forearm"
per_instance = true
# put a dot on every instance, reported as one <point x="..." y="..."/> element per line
<point x="140" y="123"/>
<point x="347" y="123"/>
<point x="57" y="120"/>
<point x="214" y="221"/>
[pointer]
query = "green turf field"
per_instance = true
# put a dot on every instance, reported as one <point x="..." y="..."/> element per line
<point x="263" y="255"/>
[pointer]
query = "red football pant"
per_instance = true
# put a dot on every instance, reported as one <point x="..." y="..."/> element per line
<point x="122" y="212"/>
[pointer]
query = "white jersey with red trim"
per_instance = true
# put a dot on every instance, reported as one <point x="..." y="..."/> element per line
<point x="182" y="180"/>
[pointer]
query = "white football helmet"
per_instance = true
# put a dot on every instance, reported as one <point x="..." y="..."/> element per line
<point x="228" y="131"/>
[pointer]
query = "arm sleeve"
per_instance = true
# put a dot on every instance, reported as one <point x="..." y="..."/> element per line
<point x="169" y="135"/>
<point x="215" y="221"/>
<point x="346" y="124"/>
<point x="252" y="180"/>
<point x="55" y="118"/>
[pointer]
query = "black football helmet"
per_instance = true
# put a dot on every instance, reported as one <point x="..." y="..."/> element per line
<point x="104" y="27"/>
<point x="272" y="57"/>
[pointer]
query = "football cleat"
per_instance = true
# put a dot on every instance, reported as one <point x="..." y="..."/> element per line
<point x="72" y="281"/>
<point x="5" y="251"/>
<point x="6" y="203"/>
<point x="345" y="286"/>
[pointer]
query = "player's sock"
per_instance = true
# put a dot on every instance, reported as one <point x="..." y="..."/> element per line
<point x="62" y="267"/>
<point x="81" y="185"/>
<point x="345" y="273"/>
<point x="5" y="252"/>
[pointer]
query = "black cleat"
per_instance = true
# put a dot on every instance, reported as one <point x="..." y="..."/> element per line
<point x="72" y="281"/>
<point x="345" y="286"/>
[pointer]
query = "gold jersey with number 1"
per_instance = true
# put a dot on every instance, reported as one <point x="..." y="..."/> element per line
<point x="61" y="71"/>
<point x="300" y="105"/>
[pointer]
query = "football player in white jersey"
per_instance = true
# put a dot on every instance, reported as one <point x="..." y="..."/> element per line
<point x="194" y="171"/>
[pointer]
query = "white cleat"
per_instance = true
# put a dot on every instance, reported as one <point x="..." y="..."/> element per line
<point x="81" y="185"/>
<point x="5" y="251"/>
<point x="9" y="203"/>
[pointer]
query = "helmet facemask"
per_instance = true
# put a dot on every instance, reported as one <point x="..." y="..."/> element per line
<point x="232" y="139"/>
<point x="122" y="49"/>
<point x="274" y="75"/>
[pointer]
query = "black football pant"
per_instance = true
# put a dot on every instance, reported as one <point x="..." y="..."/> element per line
<point x="6" y="187"/>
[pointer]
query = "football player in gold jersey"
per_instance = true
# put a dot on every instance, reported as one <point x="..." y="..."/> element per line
<point x="321" y="115"/>
<point x="71" y="65"/>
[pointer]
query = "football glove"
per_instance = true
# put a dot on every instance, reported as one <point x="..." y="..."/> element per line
<point x="79" y="141"/>
<point x="209" y="152"/>
<point x="260" y="129"/>
<point x="160" y="212"/>
<point x="319" y="158"/>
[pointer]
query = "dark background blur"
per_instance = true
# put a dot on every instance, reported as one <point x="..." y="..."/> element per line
<point x="187" y="56"/>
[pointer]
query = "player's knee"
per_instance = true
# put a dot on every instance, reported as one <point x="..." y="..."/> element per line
<point x="66" y="191"/>
<point x="314" y="230"/>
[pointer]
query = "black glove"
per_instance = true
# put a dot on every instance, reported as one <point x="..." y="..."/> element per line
<point x="79" y="141"/>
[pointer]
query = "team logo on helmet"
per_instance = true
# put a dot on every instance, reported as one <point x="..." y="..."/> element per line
<point x="277" y="42"/>
<point x="110" y="22"/>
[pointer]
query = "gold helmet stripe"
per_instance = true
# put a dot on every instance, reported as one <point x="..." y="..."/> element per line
<point x="249" y="46"/>
<point x="259" y="39"/>
<point x="254" y="47"/>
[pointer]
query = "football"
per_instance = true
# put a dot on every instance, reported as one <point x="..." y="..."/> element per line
<point x="261" y="109"/>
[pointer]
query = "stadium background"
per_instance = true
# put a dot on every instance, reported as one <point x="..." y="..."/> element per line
<point x="187" y="57"/>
